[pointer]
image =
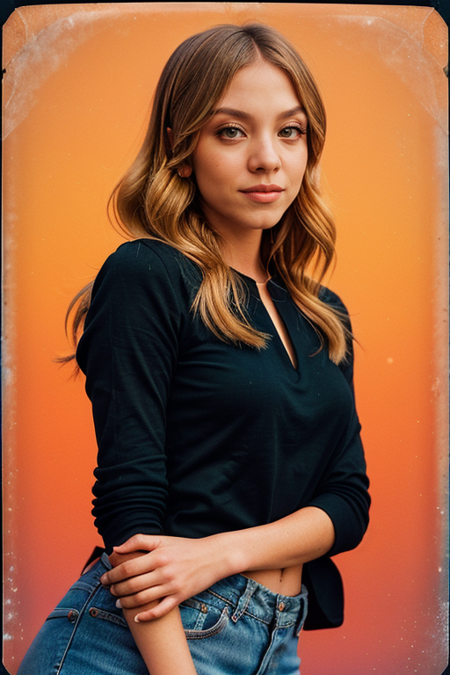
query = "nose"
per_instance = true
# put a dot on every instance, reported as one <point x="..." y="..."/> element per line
<point x="263" y="155"/>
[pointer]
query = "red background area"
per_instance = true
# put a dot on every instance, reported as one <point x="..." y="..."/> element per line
<point x="77" y="91"/>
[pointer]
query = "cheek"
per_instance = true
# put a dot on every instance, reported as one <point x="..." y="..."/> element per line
<point x="216" y="175"/>
<point x="299" y="171"/>
<point x="206" y="168"/>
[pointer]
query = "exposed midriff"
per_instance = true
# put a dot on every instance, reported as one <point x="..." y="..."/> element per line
<point x="283" y="582"/>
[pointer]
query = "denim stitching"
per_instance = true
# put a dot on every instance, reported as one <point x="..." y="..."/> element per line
<point x="61" y="613"/>
<point x="256" y="618"/>
<point x="191" y="603"/>
<point x="108" y="616"/>
<point x="303" y="613"/>
<point x="220" y="597"/>
<point x="192" y="634"/>
<point x="248" y="613"/>
<point x="80" y="615"/>
<point x="247" y="594"/>
<point x="81" y="586"/>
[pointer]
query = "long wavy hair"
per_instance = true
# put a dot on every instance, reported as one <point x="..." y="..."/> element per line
<point x="153" y="201"/>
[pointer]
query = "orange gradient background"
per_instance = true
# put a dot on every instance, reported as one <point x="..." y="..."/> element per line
<point x="77" y="91"/>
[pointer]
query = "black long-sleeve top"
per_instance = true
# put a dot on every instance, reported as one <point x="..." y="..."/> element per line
<point x="197" y="436"/>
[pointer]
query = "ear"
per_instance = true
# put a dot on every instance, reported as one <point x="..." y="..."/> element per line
<point x="184" y="171"/>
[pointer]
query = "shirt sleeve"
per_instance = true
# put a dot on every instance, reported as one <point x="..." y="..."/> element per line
<point x="343" y="489"/>
<point x="128" y="352"/>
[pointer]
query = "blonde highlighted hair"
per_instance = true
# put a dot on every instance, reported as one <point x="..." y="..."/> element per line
<point x="153" y="201"/>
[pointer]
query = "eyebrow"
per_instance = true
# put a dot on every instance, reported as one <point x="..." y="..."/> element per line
<point x="243" y="115"/>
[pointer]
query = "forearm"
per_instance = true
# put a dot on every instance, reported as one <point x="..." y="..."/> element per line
<point x="178" y="568"/>
<point x="298" y="538"/>
<point x="161" y="642"/>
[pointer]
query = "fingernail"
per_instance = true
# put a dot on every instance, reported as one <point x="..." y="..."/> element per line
<point x="119" y="604"/>
<point x="136" y="618"/>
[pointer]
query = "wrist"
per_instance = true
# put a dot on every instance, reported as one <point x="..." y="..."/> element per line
<point x="232" y="553"/>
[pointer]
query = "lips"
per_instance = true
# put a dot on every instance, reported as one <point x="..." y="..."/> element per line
<point x="263" y="188"/>
<point x="264" y="194"/>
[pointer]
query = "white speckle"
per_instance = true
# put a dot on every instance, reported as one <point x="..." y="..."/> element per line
<point x="7" y="636"/>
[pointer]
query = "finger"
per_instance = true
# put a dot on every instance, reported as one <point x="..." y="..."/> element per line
<point x="161" y="609"/>
<point x="117" y="559"/>
<point x="143" y="598"/>
<point x="138" y="542"/>
<point x="136" y="584"/>
<point x="134" y="567"/>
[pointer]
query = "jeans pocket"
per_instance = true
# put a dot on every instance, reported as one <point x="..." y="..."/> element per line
<point x="69" y="613"/>
<point x="202" y="619"/>
<point x="113" y="617"/>
<point x="72" y="604"/>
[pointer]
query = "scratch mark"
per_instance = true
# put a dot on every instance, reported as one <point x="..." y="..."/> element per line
<point x="42" y="55"/>
<point x="404" y="52"/>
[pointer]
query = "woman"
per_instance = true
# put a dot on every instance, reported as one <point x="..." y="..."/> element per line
<point x="230" y="466"/>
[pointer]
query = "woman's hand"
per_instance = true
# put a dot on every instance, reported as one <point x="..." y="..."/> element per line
<point x="150" y="568"/>
<point x="168" y="570"/>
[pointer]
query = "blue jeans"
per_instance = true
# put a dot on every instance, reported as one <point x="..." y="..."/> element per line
<point x="235" y="627"/>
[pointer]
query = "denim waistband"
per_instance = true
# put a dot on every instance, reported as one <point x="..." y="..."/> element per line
<point x="244" y="595"/>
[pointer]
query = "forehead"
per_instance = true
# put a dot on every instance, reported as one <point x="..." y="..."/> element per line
<point x="260" y="83"/>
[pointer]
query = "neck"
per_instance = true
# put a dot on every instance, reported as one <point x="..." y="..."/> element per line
<point x="243" y="255"/>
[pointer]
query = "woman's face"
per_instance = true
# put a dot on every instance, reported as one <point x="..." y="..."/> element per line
<point x="251" y="156"/>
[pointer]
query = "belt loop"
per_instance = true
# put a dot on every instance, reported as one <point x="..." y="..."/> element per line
<point x="244" y="600"/>
<point x="302" y="614"/>
<point x="105" y="560"/>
